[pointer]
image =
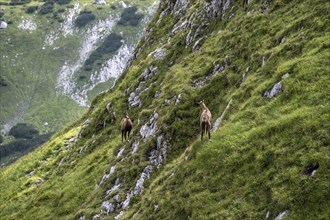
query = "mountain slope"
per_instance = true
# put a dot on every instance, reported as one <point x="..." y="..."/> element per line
<point x="262" y="71"/>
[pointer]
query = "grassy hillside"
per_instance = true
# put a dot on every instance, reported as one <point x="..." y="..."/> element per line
<point x="268" y="158"/>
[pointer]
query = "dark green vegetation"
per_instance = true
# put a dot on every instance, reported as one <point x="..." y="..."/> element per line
<point x="48" y="6"/>
<point x="109" y="46"/>
<point x="22" y="130"/>
<point x="130" y="17"/>
<point x="27" y="138"/>
<point x="268" y="156"/>
<point x="84" y="18"/>
<point x="19" y="147"/>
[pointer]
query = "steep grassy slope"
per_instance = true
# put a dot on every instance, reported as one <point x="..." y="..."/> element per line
<point x="269" y="157"/>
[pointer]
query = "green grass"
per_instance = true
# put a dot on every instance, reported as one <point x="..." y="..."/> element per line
<point x="256" y="162"/>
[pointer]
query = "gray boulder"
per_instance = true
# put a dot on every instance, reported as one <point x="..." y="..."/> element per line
<point x="3" y="25"/>
<point x="277" y="88"/>
<point x="99" y="2"/>
<point x="122" y="4"/>
<point x="108" y="207"/>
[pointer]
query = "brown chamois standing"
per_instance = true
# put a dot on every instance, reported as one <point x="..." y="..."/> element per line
<point x="126" y="127"/>
<point x="205" y="120"/>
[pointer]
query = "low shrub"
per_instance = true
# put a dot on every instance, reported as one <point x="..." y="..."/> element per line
<point x="84" y="18"/>
<point x="46" y="8"/>
<point x="129" y="17"/>
<point x="31" y="9"/>
<point x="110" y="45"/>
<point x="22" y="130"/>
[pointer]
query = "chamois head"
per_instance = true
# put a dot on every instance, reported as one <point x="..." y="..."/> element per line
<point x="126" y="115"/>
<point x="201" y="103"/>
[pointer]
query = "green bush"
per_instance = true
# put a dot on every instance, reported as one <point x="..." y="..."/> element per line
<point x="62" y="2"/>
<point x="23" y="130"/>
<point x="84" y="18"/>
<point x="46" y="8"/>
<point x="110" y="45"/>
<point x="129" y="17"/>
<point x="2" y="82"/>
<point x="17" y="2"/>
<point x="31" y="9"/>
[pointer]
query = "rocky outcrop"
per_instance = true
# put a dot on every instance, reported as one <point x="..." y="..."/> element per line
<point x="149" y="128"/>
<point x="27" y="24"/>
<point x="135" y="146"/>
<point x="277" y="88"/>
<point x="217" y="122"/>
<point x="148" y="73"/>
<point x="134" y="97"/>
<point x="106" y="176"/>
<point x="201" y="82"/>
<point x="281" y="215"/>
<point x="108" y="207"/>
<point x="159" y="53"/>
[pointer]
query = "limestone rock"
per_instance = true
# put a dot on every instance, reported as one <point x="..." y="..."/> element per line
<point x="108" y="207"/>
<point x="149" y="129"/>
<point x="135" y="146"/>
<point x="281" y="215"/>
<point x="277" y="88"/>
<point x="3" y="25"/>
<point x="122" y="4"/>
<point x="99" y="2"/>
<point x="159" y="53"/>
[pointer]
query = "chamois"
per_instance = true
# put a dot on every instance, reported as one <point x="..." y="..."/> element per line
<point x="126" y="127"/>
<point x="205" y="120"/>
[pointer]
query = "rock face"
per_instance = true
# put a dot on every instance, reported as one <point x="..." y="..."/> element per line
<point x="149" y="129"/>
<point x="201" y="82"/>
<point x="217" y="123"/>
<point x="3" y="25"/>
<point x="134" y="97"/>
<point x="148" y="73"/>
<point x="108" y="207"/>
<point x="159" y="53"/>
<point x="277" y="88"/>
<point x="281" y="215"/>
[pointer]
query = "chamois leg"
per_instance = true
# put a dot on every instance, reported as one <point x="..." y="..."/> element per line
<point x="129" y="131"/>
<point x="122" y="136"/>
<point x="201" y="132"/>
<point x="209" y="130"/>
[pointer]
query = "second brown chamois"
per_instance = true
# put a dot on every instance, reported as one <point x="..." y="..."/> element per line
<point x="125" y="127"/>
<point x="205" y="120"/>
